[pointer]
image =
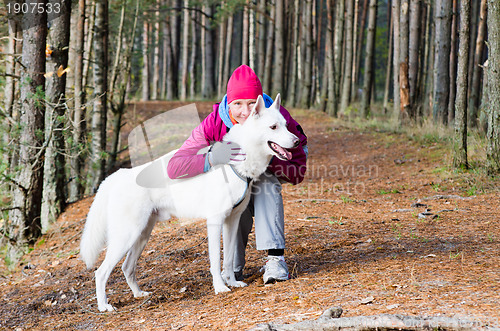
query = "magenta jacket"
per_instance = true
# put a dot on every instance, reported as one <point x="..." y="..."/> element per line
<point x="189" y="162"/>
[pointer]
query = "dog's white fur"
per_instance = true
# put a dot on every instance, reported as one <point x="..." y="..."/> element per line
<point x="124" y="213"/>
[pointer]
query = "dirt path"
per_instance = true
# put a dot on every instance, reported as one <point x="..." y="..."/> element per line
<point x="379" y="225"/>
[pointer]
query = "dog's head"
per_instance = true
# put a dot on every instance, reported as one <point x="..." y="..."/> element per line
<point x="271" y="129"/>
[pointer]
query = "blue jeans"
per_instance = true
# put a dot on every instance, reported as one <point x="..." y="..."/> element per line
<point x="266" y="205"/>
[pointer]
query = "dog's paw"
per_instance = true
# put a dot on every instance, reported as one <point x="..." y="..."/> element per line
<point x="106" y="307"/>
<point x="221" y="289"/>
<point x="141" y="294"/>
<point x="239" y="284"/>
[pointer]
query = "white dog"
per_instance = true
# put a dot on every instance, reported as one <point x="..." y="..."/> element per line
<point x="124" y="213"/>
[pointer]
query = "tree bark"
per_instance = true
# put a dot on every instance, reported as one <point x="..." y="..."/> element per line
<point x="475" y="90"/>
<point x="76" y="187"/>
<point x="25" y="225"/>
<point x="360" y="41"/>
<point x="54" y="178"/>
<point x="460" y="138"/>
<point x="493" y="76"/>
<point x="244" y="36"/>
<point x="268" y="66"/>
<point x="441" y="94"/>
<point x="388" y="67"/>
<point x="99" y="112"/>
<point x="292" y="75"/>
<point x="145" y="60"/>
<point x="338" y="41"/>
<point x="261" y="46"/>
<point x="156" y="53"/>
<point x="279" y="48"/>
<point x="221" y="61"/>
<point x="185" y="50"/>
<point x="395" y="61"/>
<point x="370" y="48"/>
<point x="306" y="82"/>
<point x="330" y="65"/>
<point x="208" y="68"/>
<point x="404" y="47"/>
<point x="413" y="56"/>
<point x="453" y="63"/>
<point x="193" y="57"/>
<point x="346" y="89"/>
<point x="227" y="55"/>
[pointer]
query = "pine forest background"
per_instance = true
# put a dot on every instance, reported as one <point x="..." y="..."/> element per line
<point x="67" y="77"/>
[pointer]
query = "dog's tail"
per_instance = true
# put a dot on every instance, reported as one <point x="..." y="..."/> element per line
<point x="95" y="231"/>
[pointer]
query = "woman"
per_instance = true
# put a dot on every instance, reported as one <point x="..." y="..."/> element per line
<point x="266" y="203"/>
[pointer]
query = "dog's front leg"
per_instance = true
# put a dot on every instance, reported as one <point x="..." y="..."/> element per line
<point x="230" y="233"/>
<point x="214" y="230"/>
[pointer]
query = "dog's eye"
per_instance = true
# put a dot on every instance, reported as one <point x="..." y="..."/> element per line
<point x="274" y="127"/>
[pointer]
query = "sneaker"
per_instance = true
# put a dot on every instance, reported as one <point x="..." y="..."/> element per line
<point x="275" y="269"/>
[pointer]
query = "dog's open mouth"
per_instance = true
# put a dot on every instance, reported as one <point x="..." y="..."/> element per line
<point x="280" y="151"/>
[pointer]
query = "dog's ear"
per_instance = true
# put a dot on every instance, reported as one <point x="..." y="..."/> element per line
<point x="277" y="102"/>
<point x="259" y="107"/>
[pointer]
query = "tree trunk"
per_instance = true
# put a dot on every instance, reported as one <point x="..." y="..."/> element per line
<point x="208" y="70"/>
<point x="338" y="41"/>
<point x="426" y="81"/>
<point x="388" y="68"/>
<point x="279" y="48"/>
<point x="11" y="85"/>
<point x="145" y="60"/>
<point x="99" y="112"/>
<point x="460" y="139"/>
<point x="185" y="50"/>
<point x="441" y="93"/>
<point x="413" y="56"/>
<point x="227" y="55"/>
<point x="244" y="35"/>
<point x="353" y="96"/>
<point x="477" y="70"/>
<point x="493" y="76"/>
<point x="76" y="187"/>
<point x="25" y="225"/>
<point x="261" y="48"/>
<point x="306" y="82"/>
<point x="453" y="63"/>
<point x="252" y="36"/>
<point x="359" y="47"/>
<point x="292" y="75"/>
<point x="169" y="62"/>
<point x="268" y="66"/>
<point x="370" y="48"/>
<point x="88" y="47"/>
<point x="118" y="53"/>
<point x="221" y="61"/>
<point x="404" y="44"/>
<point x="330" y="65"/>
<point x="118" y="101"/>
<point x="395" y="61"/>
<point x="156" y="53"/>
<point x="193" y="58"/>
<point x="54" y="177"/>
<point x="346" y="89"/>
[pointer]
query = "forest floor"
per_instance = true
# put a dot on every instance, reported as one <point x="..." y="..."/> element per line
<point x="381" y="224"/>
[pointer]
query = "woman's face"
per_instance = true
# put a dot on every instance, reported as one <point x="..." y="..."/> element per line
<point x="241" y="108"/>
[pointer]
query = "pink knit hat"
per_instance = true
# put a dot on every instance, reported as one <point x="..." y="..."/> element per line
<point x="243" y="84"/>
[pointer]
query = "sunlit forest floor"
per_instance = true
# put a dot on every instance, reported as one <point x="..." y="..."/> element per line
<point x="381" y="224"/>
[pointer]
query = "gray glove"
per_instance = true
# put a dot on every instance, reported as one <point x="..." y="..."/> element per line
<point x="225" y="152"/>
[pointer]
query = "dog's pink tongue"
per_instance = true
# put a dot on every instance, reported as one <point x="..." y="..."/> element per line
<point x="283" y="152"/>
